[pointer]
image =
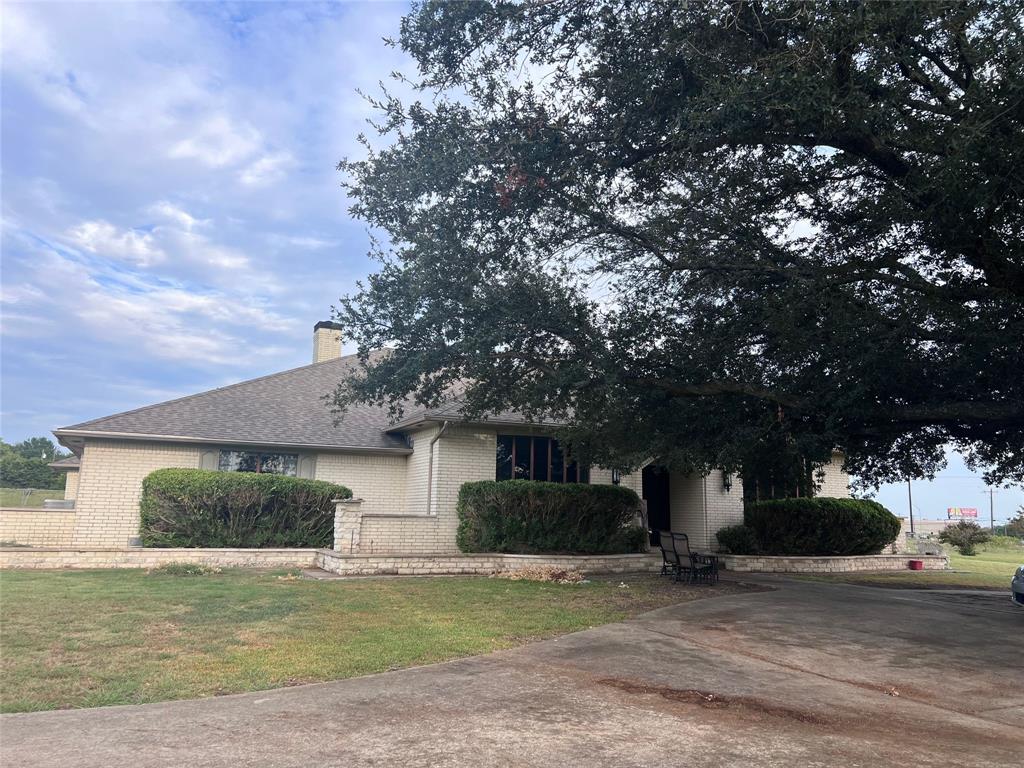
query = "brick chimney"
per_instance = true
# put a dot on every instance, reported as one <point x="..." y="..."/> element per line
<point x="326" y="341"/>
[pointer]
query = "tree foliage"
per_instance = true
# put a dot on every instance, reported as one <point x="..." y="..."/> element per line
<point x="37" y="448"/>
<point x="965" y="535"/>
<point x="696" y="228"/>
<point x="1015" y="526"/>
<point x="24" y="464"/>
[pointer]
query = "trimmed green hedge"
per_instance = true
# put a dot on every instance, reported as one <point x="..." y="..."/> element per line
<point x="738" y="540"/>
<point x="203" y="508"/>
<point x="531" y="517"/>
<point x="820" y="526"/>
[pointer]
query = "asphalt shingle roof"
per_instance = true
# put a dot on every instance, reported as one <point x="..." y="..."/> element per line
<point x="282" y="408"/>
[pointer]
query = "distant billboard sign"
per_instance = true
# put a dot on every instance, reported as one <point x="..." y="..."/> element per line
<point x="958" y="513"/>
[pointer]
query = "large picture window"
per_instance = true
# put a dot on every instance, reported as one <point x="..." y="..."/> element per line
<point x="254" y="461"/>
<point x="536" y="458"/>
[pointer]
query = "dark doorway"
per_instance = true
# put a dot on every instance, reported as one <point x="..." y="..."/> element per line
<point x="656" y="493"/>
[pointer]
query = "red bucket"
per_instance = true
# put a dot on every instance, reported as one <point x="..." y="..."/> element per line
<point x="916" y="565"/>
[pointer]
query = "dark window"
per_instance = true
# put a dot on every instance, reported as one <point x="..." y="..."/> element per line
<point x="522" y="458"/>
<point x="504" y="470"/>
<point x="541" y="462"/>
<point x="535" y="458"/>
<point x="253" y="461"/>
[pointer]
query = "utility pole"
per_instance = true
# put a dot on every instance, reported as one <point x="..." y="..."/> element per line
<point x="991" y="512"/>
<point x="910" y="505"/>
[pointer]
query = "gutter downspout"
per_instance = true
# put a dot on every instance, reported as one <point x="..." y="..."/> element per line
<point x="707" y="539"/>
<point x="430" y="465"/>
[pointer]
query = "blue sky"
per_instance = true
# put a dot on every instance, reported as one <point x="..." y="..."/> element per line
<point x="172" y="217"/>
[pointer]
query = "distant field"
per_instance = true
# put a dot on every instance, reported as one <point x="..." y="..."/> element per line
<point x="24" y="497"/>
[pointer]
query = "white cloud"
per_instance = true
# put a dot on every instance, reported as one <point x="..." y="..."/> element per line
<point x="169" y="321"/>
<point x="104" y="239"/>
<point x="266" y="169"/>
<point x="200" y="250"/>
<point x="218" y="142"/>
<point x="311" y="243"/>
<point x="173" y="241"/>
<point x="178" y="215"/>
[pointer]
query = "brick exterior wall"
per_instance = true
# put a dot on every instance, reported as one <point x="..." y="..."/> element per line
<point x="37" y="527"/>
<point x="417" y="470"/>
<point x="326" y="344"/>
<point x="633" y="481"/>
<point x="462" y="454"/>
<point x="378" y="479"/>
<point x="834" y="482"/>
<point x="71" y="485"/>
<point x="110" y="484"/>
<point x="700" y="523"/>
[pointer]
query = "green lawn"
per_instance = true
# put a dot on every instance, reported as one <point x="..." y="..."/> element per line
<point x="93" y="638"/>
<point x="989" y="569"/>
<point x="23" y="497"/>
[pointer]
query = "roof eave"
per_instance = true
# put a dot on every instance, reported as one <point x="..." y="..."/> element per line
<point x="70" y="434"/>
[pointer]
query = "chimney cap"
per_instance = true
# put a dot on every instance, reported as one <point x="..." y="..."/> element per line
<point x="330" y="324"/>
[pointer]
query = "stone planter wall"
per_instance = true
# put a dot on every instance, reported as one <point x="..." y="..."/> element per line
<point x="416" y="565"/>
<point x="784" y="564"/>
<point x="436" y="564"/>
<point x="137" y="557"/>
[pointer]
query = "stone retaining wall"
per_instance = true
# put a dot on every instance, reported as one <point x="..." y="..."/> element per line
<point x="54" y="557"/>
<point x="414" y="565"/>
<point x="783" y="564"/>
<point x="407" y="565"/>
<point x="36" y="526"/>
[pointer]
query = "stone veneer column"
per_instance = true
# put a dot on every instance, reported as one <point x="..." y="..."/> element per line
<point x="348" y="520"/>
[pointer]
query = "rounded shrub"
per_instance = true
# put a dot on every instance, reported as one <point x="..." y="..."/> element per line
<point x="204" y="508"/>
<point x="532" y="517"/>
<point x="821" y="526"/>
<point x="738" y="540"/>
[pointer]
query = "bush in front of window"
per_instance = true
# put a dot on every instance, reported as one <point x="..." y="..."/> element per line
<point x="204" y="508"/>
<point x="533" y="517"/>
<point x="821" y="526"/>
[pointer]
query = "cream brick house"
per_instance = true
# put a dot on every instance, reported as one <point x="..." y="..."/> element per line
<point x="408" y="473"/>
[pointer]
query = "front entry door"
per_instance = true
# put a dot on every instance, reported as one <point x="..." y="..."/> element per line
<point x="656" y="494"/>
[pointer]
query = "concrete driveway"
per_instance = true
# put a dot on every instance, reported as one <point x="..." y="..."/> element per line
<point x="802" y="676"/>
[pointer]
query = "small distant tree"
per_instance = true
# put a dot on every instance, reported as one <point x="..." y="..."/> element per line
<point x="1016" y="525"/>
<point x="965" y="536"/>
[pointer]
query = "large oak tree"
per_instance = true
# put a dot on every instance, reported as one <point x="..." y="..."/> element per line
<point x="708" y="230"/>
